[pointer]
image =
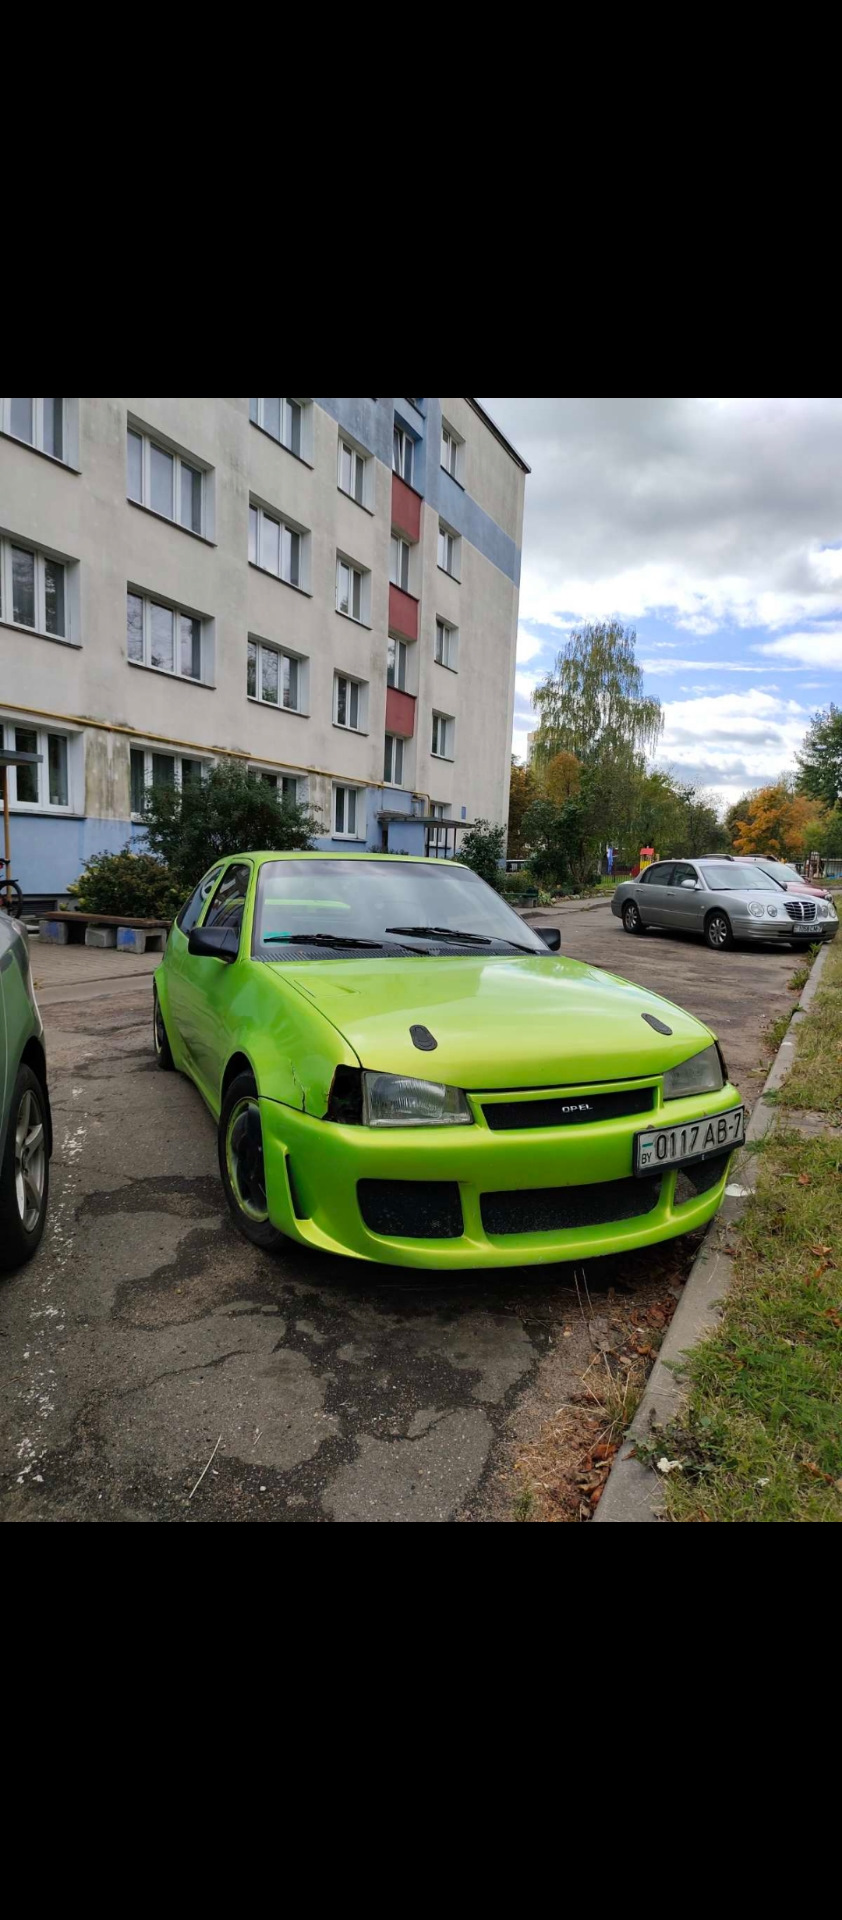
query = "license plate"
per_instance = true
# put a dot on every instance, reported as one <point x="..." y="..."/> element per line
<point x="674" y="1146"/>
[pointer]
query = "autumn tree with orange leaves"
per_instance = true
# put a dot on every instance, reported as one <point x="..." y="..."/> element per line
<point x="777" y="823"/>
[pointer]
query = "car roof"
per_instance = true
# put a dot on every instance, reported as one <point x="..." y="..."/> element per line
<point x="335" y="853"/>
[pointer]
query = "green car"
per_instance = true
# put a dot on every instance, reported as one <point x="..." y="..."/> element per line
<point x="401" y="1070"/>
<point x="26" y="1135"/>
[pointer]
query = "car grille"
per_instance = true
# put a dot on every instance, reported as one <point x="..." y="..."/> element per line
<point x="571" y="1110"/>
<point x="552" y="1209"/>
<point x="699" y="1177"/>
<point x="411" y="1209"/>
<point x="801" y="909"/>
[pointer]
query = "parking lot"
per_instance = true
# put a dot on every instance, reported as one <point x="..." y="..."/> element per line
<point x="146" y="1336"/>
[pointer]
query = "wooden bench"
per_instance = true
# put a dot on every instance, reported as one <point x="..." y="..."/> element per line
<point x="127" y="934"/>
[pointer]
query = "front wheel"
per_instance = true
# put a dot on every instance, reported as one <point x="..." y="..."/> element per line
<point x="241" y="1165"/>
<point x="163" y="1051"/>
<point x="25" y="1172"/>
<point x="631" y="918"/>
<point x="718" y="931"/>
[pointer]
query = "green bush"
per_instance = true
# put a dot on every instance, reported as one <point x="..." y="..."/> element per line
<point x="482" y="849"/>
<point x="230" y="811"/>
<point x="521" y="882"/>
<point x="135" y="884"/>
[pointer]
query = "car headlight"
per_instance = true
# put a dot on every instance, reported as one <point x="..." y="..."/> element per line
<point x="772" y="912"/>
<point x="702" y="1074"/>
<point x="394" y="1100"/>
<point x="821" y="910"/>
<point x="755" y="907"/>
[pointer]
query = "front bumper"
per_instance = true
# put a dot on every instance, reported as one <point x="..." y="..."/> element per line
<point x="782" y="932"/>
<point x="313" y="1168"/>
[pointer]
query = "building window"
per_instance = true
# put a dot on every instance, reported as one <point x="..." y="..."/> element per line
<point x="163" y="637"/>
<point x="39" y="423"/>
<point x="276" y="547"/>
<point x="283" y="419"/>
<point x="349" y="702"/>
<point x="287" y="786"/>
<point x="448" y="555"/>
<point x="442" y="741"/>
<point x="399" y="564"/>
<point x="451" y="453"/>
<point x="274" y="676"/>
<point x="348" y="810"/>
<point x="164" y="481"/>
<point x="352" y="472"/>
<point x="33" y="590"/>
<point x="447" y="645"/>
<point x="152" y="769"/>
<point x="352" y="586"/>
<point x="393" y="761"/>
<point x="396" y="664"/>
<point x="402" y="450"/>
<point x="45" y="787"/>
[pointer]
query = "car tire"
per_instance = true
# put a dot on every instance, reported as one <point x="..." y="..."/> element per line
<point x="163" y="1051"/>
<point x="631" y="918"/>
<point x="25" y="1172"/>
<point x="718" y="933"/>
<point x="240" y="1143"/>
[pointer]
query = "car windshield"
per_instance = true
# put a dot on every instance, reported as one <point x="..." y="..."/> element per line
<point x="740" y="880"/>
<point x="778" y="871"/>
<point x="387" y="904"/>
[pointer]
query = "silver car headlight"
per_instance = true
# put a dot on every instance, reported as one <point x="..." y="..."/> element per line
<point x="394" y="1100"/>
<point x="702" y="1074"/>
<point x="755" y="907"/>
<point x="821" y="910"/>
<point x="772" y="912"/>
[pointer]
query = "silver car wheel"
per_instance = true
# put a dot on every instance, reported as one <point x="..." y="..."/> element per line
<point x="718" y="930"/>
<point x="631" y="917"/>
<point x="30" y="1160"/>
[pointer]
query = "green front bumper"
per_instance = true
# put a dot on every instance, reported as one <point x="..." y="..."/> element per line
<point x="313" y="1167"/>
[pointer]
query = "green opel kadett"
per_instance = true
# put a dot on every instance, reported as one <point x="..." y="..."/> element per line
<point x="402" y="1070"/>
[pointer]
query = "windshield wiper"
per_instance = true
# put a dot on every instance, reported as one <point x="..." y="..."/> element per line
<point x="318" y="940"/>
<point x="442" y="933"/>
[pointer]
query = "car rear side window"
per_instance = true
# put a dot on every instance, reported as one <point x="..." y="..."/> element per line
<point x="192" y="908"/>
<point x="229" y="901"/>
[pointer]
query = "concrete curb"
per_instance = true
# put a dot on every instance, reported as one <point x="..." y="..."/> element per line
<point x="632" y="1490"/>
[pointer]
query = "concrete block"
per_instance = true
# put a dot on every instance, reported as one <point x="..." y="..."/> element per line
<point x="134" y="940"/>
<point x="100" y="937"/>
<point x="55" y="931"/>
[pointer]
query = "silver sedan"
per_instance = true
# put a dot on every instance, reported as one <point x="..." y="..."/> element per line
<point x="723" y="900"/>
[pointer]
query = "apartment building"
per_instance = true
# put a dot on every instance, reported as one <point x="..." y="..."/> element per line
<point x="325" y="590"/>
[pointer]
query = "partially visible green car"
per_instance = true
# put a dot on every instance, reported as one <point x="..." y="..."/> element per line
<point x="403" y="1071"/>
<point x="26" y="1134"/>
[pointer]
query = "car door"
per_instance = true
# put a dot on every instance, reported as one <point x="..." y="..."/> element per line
<point x="653" y="897"/>
<point x="210" y="985"/>
<point x="178" y="979"/>
<point x="685" y="898"/>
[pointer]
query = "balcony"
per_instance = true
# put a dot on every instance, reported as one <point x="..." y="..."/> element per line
<point x="406" y="508"/>
<point x="403" y="614"/>
<point x="400" y="713"/>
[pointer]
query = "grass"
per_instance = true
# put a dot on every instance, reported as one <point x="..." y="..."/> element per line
<point x="776" y="1030"/>
<point x="798" y="979"/>
<point x="816" y="1078"/>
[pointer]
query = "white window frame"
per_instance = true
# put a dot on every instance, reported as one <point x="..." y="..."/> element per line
<point x="296" y="660"/>
<point x="403" y="453"/>
<point x="257" y="416"/>
<point x="401" y="657"/>
<point x="444" y="733"/>
<point x="447" y="645"/>
<point x="359" y="472"/>
<point x="363" y="576"/>
<point x="277" y="777"/>
<point x="259" y="545"/>
<point x="393" y="759"/>
<point x="37" y="442"/>
<point x="347" y="790"/>
<point x="43" y="735"/>
<point x="399" y="562"/>
<point x="42" y="560"/>
<point x="150" y="442"/>
<point x="148" y="600"/>
<point x="452" y="456"/>
<point x="350" y="681"/>
<point x="440" y="809"/>
<point x="446" y="534"/>
<point x="137" y="746"/>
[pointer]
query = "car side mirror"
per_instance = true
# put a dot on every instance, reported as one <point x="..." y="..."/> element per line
<point x="692" y="884"/>
<point x="551" y="937"/>
<point x="214" y="943"/>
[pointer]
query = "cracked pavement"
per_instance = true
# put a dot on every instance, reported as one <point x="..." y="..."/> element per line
<point x="146" y="1333"/>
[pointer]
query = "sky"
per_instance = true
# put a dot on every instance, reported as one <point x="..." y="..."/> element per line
<point x="714" y="528"/>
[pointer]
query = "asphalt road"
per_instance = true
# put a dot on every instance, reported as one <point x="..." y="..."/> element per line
<point x="146" y="1334"/>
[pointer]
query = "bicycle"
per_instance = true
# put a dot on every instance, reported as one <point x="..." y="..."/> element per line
<point x="11" y="898"/>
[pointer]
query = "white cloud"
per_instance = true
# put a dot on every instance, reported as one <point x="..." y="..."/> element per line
<point x="713" y="666"/>
<point x="528" y="644"/>
<point x="732" y="739"/>
<point x="812" y="649"/>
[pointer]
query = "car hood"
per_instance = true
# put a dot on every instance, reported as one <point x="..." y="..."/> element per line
<point x="501" y="1022"/>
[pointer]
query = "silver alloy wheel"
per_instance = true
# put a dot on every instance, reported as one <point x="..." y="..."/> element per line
<point x="30" y="1160"/>
<point x="631" y="917"/>
<point x="718" y="930"/>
